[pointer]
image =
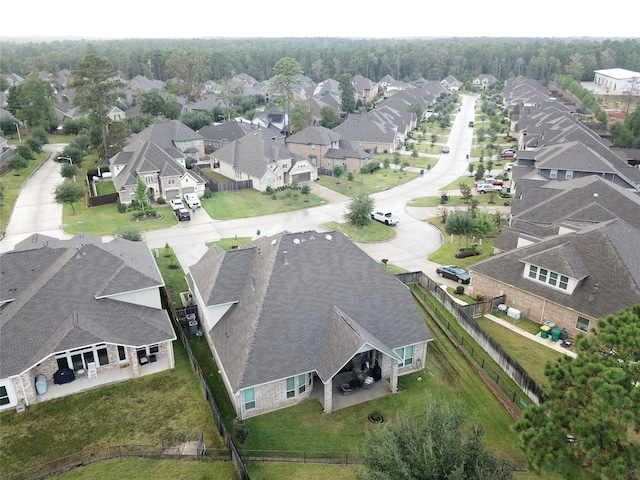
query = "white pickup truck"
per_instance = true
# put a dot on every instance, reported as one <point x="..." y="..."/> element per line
<point x="385" y="217"/>
<point x="192" y="200"/>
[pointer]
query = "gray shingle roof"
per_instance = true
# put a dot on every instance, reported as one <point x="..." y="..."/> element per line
<point x="297" y="289"/>
<point x="165" y="135"/>
<point x="253" y="153"/>
<point x="59" y="295"/>
<point x="604" y="254"/>
<point x="141" y="158"/>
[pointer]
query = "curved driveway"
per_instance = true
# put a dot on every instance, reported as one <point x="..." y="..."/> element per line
<point x="36" y="211"/>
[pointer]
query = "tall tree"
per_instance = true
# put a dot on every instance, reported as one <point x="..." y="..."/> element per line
<point x="285" y="71"/>
<point x="190" y="70"/>
<point x="97" y="90"/>
<point x="443" y="444"/>
<point x="347" y="93"/>
<point x="36" y="102"/>
<point x="587" y="427"/>
<point x="69" y="192"/>
<point x="301" y="117"/>
<point x="359" y="211"/>
<point x="459" y="223"/>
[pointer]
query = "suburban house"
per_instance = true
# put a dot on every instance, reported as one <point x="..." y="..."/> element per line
<point x="218" y="135"/>
<point x="483" y="81"/>
<point x="272" y="117"/>
<point x="326" y="148"/>
<point x="451" y="83"/>
<point x="173" y="135"/>
<point x="366" y="90"/>
<point x="372" y="133"/>
<point x="569" y="255"/>
<point x="618" y="80"/>
<point x="286" y="316"/>
<point x="165" y="176"/>
<point x="76" y="314"/>
<point x="116" y="114"/>
<point x="263" y="160"/>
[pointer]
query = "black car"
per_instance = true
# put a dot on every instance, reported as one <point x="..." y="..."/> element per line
<point x="452" y="272"/>
<point x="183" y="215"/>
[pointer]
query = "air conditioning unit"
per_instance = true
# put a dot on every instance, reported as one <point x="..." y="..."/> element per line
<point x="513" y="313"/>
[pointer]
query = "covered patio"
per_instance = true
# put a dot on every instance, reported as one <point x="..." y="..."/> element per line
<point x="104" y="377"/>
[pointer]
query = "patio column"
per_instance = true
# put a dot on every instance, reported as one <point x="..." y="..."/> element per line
<point x="394" y="377"/>
<point x="328" y="396"/>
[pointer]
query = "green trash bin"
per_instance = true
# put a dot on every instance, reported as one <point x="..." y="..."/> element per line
<point x="428" y="166"/>
<point x="544" y="333"/>
<point x="422" y="171"/>
<point x="555" y="334"/>
<point x="467" y="156"/>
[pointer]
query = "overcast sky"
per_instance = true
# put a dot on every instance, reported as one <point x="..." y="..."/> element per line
<point x="325" y="18"/>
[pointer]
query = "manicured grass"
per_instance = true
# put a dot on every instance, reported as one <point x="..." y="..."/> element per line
<point x="457" y="201"/>
<point x="367" y="183"/>
<point x="229" y="243"/>
<point x="11" y="184"/>
<point x="137" y="412"/>
<point x="172" y="273"/>
<point x="531" y="355"/>
<point x="104" y="188"/>
<point x="105" y="220"/>
<point x="446" y="374"/>
<point x="374" y="232"/>
<point x="144" y="468"/>
<point x="445" y="254"/>
<point x="251" y="203"/>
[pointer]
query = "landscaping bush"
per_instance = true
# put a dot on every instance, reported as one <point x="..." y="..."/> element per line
<point x="121" y="207"/>
<point x="370" y="168"/>
<point x="467" y="252"/>
<point x="459" y="290"/>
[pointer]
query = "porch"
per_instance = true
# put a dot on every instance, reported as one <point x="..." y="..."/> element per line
<point x="105" y="377"/>
<point x="378" y="389"/>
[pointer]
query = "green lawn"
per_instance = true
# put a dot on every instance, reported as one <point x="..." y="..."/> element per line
<point x="251" y="203"/>
<point x="374" y="232"/>
<point x="104" y="188"/>
<point x="367" y="183"/>
<point x="136" y="412"/>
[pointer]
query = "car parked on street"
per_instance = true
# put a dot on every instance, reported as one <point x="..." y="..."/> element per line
<point x="453" y="272"/>
<point x="446" y="149"/>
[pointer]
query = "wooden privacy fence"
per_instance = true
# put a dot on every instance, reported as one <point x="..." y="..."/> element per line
<point x="464" y="316"/>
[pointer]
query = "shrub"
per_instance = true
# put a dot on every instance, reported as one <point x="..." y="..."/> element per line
<point x="459" y="290"/>
<point x="207" y="193"/>
<point x="467" y="252"/>
<point x="121" y="207"/>
<point x="131" y="234"/>
<point x="161" y="201"/>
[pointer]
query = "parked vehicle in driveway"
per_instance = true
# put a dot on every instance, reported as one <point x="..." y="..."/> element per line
<point x="176" y="204"/>
<point x="385" y="217"/>
<point x="488" y="187"/>
<point x="508" y="166"/>
<point x="183" y="214"/>
<point x="492" y="181"/>
<point x="508" y="154"/>
<point x="192" y="200"/>
<point x="453" y="272"/>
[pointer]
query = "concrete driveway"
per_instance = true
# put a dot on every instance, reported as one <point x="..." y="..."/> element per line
<point x="36" y="211"/>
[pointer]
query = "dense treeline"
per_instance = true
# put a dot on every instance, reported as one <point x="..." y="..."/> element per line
<point x="322" y="58"/>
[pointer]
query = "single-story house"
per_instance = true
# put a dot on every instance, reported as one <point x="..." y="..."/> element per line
<point x="165" y="176"/>
<point x="619" y="80"/>
<point x="285" y="315"/>
<point x="76" y="314"/>
<point x="263" y="160"/>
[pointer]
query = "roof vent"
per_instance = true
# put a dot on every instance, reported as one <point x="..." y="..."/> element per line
<point x="286" y="257"/>
<point x="595" y="195"/>
<point x="274" y="241"/>
<point x="296" y="241"/>
<point x="328" y="237"/>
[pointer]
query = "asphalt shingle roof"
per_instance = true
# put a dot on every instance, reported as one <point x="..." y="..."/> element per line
<point x="297" y="289"/>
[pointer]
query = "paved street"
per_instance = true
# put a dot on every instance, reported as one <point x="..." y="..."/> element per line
<point x="36" y="211"/>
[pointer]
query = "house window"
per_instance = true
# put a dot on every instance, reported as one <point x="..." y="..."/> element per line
<point x="533" y="271"/>
<point x="302" y="383"/>
<point x="238" y="174"/>
<point x="291" y="387"/>
<point x="171" y="182"/>
<point x="148" y="179"/>
<point x="554" y="173"/>
<point x="543" y="275"/>
<point x="122" y="353"/>
<point x="249" y="399"/>
<point x="568" y="175"/>
<point x="4" y="395"/>
<point x="313" y="147"/>
<point x="314" y="160"/>
<point x="582" y="324"/>
<point x="553" y="278"/>
<point x="406" y="355"/>
<point x="564" y="282"/>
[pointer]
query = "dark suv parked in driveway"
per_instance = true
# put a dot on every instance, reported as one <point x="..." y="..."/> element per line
<point x="452" y="272"/>
<point x="183" y="215"/>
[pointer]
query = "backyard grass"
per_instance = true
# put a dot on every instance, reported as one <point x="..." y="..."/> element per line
<point x="367" y="184"/>
<point x="374" y="232"/>
<point x="104" y="188"/>
<point x="137" y="412"/>
<point x="144" y="468"/>
<point x="531" y="355"/>
<point x="252" y="203"/>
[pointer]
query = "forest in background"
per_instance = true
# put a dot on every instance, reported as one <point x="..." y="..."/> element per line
<point x="322" y="58"/>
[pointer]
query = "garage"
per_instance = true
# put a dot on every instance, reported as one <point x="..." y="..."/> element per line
<point x="171" y="194"/>
<point x="188" y="190"/>
<point x="302" y="177"/>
